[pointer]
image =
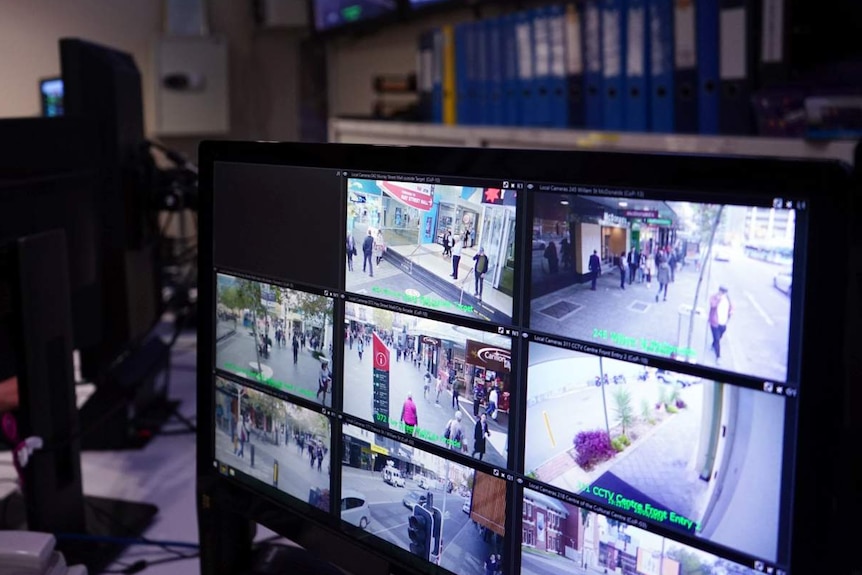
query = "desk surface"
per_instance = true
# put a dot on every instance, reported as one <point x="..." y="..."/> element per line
<point x="162" y="473"/>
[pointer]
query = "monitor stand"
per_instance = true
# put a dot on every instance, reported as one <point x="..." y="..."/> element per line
<point x="34" y="276"/>
<point x="104" y="519"/>
<point x="275" y="559"/>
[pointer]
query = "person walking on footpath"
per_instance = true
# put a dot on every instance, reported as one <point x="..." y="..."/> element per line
<point x="409" y="415"/>
<point x="351" y="251"/>
<point x="480" y="432"/>
<point x="663" y="277"/>
<point x="455" y="403"/>
<point x="456" y="259"/>
<point x="624" y="269"/>
<point x="324" y="380"/>
<point x="720" y="310"/>
<point x="367" y="252"/>
<point x="480" y="269"/>
<point x="553" y="259"/>
<point x="595" y="268"/>
<point x="295" y="349"/>
<point x="454" y="433"/>
<point x="634" y="261"/>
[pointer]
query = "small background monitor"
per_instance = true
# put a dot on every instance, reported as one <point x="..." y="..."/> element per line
<point x="331" y="14"/>
<point x="51" y="93"/>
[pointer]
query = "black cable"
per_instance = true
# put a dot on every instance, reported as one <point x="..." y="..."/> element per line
<point x="129" y="531"/>
<point x="143" y="564"/>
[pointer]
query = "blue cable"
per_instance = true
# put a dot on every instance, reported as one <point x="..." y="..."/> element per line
<point x="125" y="540"/>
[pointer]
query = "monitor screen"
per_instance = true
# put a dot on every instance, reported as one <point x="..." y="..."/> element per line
<point x="331" y="14"/>
<point x="422" y="3"/>
<point x="563" y="371"/>
<point x="51" y="92"/>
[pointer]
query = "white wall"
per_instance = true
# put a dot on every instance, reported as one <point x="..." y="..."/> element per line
<point x="30" y="30"/>
<point x="262" y="68"/>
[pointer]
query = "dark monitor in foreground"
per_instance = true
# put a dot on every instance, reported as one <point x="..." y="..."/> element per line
<point x="51" y="96"/>
<point x="473" y="361"/>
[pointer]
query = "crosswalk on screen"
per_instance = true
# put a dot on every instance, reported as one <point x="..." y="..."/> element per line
<point x="488" y="376"/>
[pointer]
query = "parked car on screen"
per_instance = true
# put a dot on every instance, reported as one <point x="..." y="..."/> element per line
<point x="354" y="508"/>
<point x="466" y="507"/>
<point x="670" y="377"/>
<point x="414" y="498"/>
<point x="393" y="477"/>
<point x="721" y="254"/>
<point x="783" y="281"/>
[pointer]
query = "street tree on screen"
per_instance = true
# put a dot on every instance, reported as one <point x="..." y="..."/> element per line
<point x="249" y="298"/>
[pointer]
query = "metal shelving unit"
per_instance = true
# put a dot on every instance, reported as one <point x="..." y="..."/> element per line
<point x="405" y="134"/>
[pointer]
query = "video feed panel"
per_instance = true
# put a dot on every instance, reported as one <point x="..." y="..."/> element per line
<point x="385" y="483"/>
<point x="276" y="335"/>
<point x="560" y="537"/>
<point x="272" y="442"/>
<point x="445" y="248"/>
<point x="439" y="382"/>
<point x="695" y="455"/>
<point x="699" y="283"/>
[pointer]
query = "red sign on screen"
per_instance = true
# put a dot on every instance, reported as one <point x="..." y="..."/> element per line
<point x="416" y="196"/>
<point x="381" y="354"/>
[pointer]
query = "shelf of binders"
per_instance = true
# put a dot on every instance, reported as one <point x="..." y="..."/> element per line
<point x="705" y="67"/>
<point x="419" y="134"/>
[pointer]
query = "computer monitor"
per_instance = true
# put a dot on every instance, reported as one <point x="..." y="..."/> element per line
<point x="51" y="96"/>
<point x="473" y="360"/>
<point x="329" y="15"/>
<point x="83" y="173"/>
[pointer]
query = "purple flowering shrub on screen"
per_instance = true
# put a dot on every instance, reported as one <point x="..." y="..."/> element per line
<point x="592" y="447"/>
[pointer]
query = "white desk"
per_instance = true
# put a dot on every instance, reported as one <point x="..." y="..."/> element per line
<point x="162" y="473"/>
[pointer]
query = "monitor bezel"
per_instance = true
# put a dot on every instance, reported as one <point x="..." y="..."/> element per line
<point x="825" y="182"/>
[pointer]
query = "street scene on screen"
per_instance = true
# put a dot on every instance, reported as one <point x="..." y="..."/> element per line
<point x="701" y="283"/>
<point x="446" y="248"/>
<point x="698" y="456"/>
<point x="273" y="441"/>
<point x="278" y="336"/>
<point x="559" y="537"/>
<point x="438" y="382"/>
<point x="387" y="480"/>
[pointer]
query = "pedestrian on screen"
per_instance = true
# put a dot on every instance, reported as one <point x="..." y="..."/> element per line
<point x="553" y="259"/>
<point x="595" y="268"/>
<point x="480" y="269"/>
<point x="324" y="379"/>
<point x="409" y="416"/>
<point x="480" y="431"/>
<point x="720" y="310"/>
<point x="624" y="270"/>
<point x="456" y="259"/>
<point x="447" y="243"/>
<point x="663" y="277"/>
<point x="351" y="251"/>
<point x="493" y="397"/>
<point x="634" y="262"/>
<point x="367" y="253"/>
<point x="454" y="433"/>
